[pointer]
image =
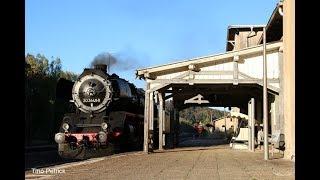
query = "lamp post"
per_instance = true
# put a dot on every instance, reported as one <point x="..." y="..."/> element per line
<point x="265" y="100"/>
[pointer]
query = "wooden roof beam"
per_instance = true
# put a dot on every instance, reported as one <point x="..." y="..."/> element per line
<point x="247" y="52"/>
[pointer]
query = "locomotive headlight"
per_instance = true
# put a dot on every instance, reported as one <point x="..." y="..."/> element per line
<point x="104" y="126"/>
<point x="102" y="136"/>
<point x="65" y="126"/>
<point x="59" y="138"/>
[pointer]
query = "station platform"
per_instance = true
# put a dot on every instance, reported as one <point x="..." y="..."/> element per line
<point x="214" y="162"/>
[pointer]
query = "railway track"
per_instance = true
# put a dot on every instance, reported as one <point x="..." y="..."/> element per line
<point x="43" y="156"/>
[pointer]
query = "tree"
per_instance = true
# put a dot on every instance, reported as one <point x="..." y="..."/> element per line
<point x="36" y="66"/>
<point x="69" y="75"/>
<point x="203" y="114"/>
<point x="40" y="85"/>
<point x="55" y="68"/>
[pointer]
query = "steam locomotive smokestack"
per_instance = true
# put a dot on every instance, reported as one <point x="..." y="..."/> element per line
<point x="102" y="67"/>
<point x="103" y="62"/>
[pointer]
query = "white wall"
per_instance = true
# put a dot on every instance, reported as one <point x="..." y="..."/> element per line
<point x="254" y="66"/>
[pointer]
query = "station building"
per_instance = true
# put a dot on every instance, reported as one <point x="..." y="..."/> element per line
<point x="232" y="79"/>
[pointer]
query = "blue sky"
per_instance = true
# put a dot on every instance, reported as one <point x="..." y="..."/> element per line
<point x="145" y="32"/>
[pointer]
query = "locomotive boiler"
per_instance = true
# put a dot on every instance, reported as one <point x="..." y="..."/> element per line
<point x="107" y="116"/>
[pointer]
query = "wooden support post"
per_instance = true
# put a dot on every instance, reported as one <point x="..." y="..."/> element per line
<point x="235" y="70"/>
<point x="176" y="116"/>
<point x="250" y="126"/>
<point x="253" y="122"/>
<point x="151" y="112"/>
<point x="164" y="123"/>
<point x="277" y="113"/>
<point x="160" y="116"/>
<point x="146" y="121"/>
<point x="175" y="125"/>
<point x="273" y="118"/>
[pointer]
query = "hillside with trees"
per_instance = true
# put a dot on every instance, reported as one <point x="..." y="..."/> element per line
<point x="203" y="114"/>
<point x="41" y="77"/>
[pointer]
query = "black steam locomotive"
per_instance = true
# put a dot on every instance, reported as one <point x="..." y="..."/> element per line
<point x="106" y="116"/>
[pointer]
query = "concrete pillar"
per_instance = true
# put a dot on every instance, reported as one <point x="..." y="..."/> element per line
<point x="259" y="108"/>
<point x="289" y="76"/>
<point x="265" y="99"/>
<point x="275" y="125"/>
<point x="279" y="99"/>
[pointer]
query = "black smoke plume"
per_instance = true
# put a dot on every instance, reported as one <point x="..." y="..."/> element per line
<point x="120" y="61"/>
<point x="104" y="58"/>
